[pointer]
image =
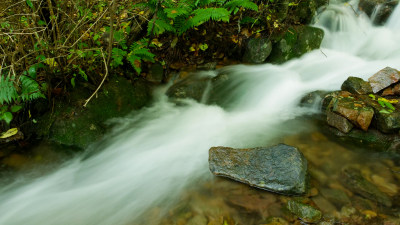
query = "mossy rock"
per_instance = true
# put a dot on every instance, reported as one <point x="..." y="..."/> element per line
<point x="74" y="125"/>
<point x="295" y="42"/>
<point x="305" y="212"/>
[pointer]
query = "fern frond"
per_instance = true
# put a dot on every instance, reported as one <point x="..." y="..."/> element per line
<point x="117" y="55"/>
<point x="144" y="53"/>
<point x="29" y="89"/>
<point x="247" y="4"/>
<point x="204" y="15"/>
<point x="177" y="11"/>
<point x="135" y="61"/>
<point x="8" y="93"/>
<point x="159" y="26"/>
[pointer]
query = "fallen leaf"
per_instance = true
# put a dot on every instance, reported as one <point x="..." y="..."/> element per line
<point x="9" y="133"/>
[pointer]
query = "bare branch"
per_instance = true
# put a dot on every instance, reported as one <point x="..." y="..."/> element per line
<point x="104" y="78"/>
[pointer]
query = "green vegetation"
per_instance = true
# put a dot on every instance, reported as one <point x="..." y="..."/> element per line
<point x="49" y="47"/>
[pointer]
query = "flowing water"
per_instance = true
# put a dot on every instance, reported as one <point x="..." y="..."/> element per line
<point x="158" y="157"/>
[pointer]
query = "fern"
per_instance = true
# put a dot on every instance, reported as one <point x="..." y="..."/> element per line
<point x="30" y="89"/>
<point x="178" y="11"/>
<point x="204" y="15"/>
<point x="247" y="4"/>
<point x="8" y="93"/>
<point x="159" y="26"/>
<point x="138" y="53"/>
<point x="117" y="55"/>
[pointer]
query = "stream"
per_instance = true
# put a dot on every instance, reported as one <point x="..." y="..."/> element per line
<point x="153" y="167"/>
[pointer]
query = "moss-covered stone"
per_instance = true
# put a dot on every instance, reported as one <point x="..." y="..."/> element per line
<point x="305" y="212"/>
<point x="257" y="50"/>
<point x="71" y="124"/>
<point x="295" y="42"/>
<point x="356" y="85"/>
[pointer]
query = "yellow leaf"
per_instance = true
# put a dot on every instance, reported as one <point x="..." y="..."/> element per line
<point x="51" y="62"/>
<point x="174" y="11"/>
<point x="369" y="214"/>
<point x="192" y="49"/>
<point x="141" y="12"/>
<point x="9" y="133"/>
<point x="156" y="42"/>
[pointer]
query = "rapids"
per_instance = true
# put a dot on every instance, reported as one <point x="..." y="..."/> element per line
<point x="152" y="155"/>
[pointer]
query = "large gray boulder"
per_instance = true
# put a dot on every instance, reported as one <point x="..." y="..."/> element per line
<point x="281" y="168"/>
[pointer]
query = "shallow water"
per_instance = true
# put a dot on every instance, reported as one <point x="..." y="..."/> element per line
<point x="154" y="157"/>
<point x="219" y="200"/>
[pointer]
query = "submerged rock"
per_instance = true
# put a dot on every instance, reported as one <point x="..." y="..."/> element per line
<point x="354" y="181"/>
<point x="356" y="85"/>
<point x="257" y="50"/>
<point x="193" y="86"/>
<point x="305" y="212"/>
<point x="280" y="168"/>
<point x="336" y="196"/>
<point x="384" y="78"/>
<point x="275" y="221"/>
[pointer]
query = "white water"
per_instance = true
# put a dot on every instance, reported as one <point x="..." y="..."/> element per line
<point x="154" y="154"/>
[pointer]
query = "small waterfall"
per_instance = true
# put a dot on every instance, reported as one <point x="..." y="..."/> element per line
<point x="376" y="12"/>
<point x="394" y="20"/>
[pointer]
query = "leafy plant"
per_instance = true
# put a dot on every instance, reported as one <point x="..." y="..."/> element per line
<point x="180" y="16"/>
<point x="137" y="52"/>
<point x="8" y="93"/>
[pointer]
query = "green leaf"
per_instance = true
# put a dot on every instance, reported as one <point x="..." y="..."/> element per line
<point x="203" y="47"/>
<point x="32" y="71"/>
<point x="389" y="105"/>
<point x="15" y="108"/>
<point x="29" y="3"/>
<point x="384" y="111"/>
<point x="381" y="103"/>
<point x="73" y="82"/>
<point x="7" y="116"/>
<point x="8" y="93"/>
<point x="41" y="23"/>
<point x="372" y="96"/>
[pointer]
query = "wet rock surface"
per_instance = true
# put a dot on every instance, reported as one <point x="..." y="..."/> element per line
<point x="338" y="122"/>
<point x="378" y="117"/>
<point x="193" y="87"/>
<point x="356" y="85"/>
<point x="355" y="111"/>
<point x="296" y="42"/>
<point x="384" y="78"/>
<point x="257" y="50"/>
<point x="378" y="10"/>
<point x="281" y="168"/>
<point x="73" y="125"/>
